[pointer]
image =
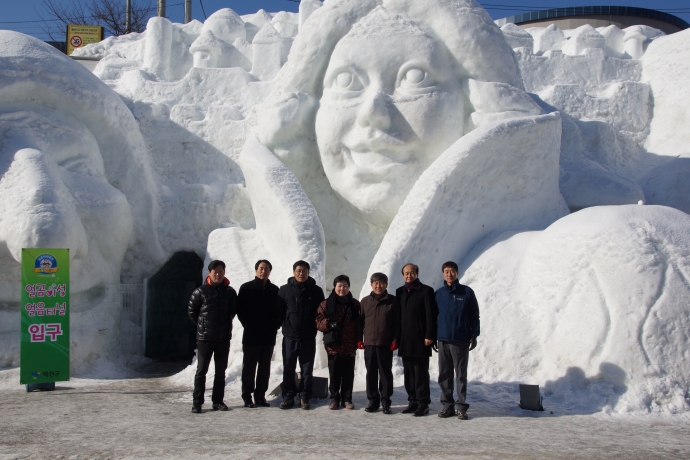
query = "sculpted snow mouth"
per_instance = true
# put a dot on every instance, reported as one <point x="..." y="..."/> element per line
<point x="381" y="152"/>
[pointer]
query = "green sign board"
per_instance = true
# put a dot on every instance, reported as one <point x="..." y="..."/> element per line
<point x="44" y="355"/>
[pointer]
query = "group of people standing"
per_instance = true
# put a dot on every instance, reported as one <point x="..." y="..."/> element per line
<point x="413" y="321"/>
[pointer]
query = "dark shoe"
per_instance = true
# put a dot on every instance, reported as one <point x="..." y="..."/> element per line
<point x="342" y="404"/>
<point x="304" y="403"/>
<point x="421" y="411"/>
<point x="462" y="415"/>
<point x="262" y="403"/>
<point x="447" y="412"/>
<point x="372" y="407"/>
<point x="335" y="404"/>
<point x="411" y="408"/>
<point x="348" y="405"/>
<point x="287" y="403"/>
<point x="249" y="403"/>
<point x="220" y="406"/>
<point x="386" y="408"/>
<point x="196" y="409"/>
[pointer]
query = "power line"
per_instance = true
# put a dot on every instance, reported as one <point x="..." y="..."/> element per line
<point x="60" y="20"/>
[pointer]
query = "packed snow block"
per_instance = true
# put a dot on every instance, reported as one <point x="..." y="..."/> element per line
<point x="517" y="37"/>
<point x="285" y="218"/>
<point x="665" y="67"/>
<point x="601" y="290"/>
<point x="286" y="24"/>
<point x="624" y="105"/>
<point x="590" y="71"/>
<point x="669" y="184"/>
<point x="585" y="183"/>
<point x="306" y="8"/>
<point x="615" y="43"/>
<point x="267" y="59"/>
<point x="225" y="25"/>
<point x="583" y="38"/>
<point x="634" y="39"/>
<point x="208" y="51"/>
<point x="159" y="34"/>
<point x="481" y="187"/>
<point x="547" y="39"/>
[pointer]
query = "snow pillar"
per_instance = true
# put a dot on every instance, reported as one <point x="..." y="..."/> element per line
<point x="159" y="32"/>
<point x="268" y="47"/>
<point x="306" y="8"/>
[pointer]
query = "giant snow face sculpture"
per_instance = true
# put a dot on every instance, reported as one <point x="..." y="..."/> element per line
<point x="74" y="174"/>
<point x="387" y="112"/>
<point x="55" y="194"/>
<point x="371" y="110"/>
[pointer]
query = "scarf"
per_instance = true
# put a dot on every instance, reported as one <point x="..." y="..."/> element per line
<point x="334" y="299"/>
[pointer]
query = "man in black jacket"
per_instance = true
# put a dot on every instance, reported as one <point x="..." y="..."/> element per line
<point x="418" y="316"/>
<point x="297" y="303"/>
<point x="256" y="310"/>
<point x="212" y="309"/>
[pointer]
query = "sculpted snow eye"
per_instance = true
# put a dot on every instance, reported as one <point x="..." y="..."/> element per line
<point x="347" y="81"/>
<point x="414" y="80"/>
<point x="414" y="76"/>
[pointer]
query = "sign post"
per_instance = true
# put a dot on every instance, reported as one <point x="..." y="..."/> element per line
<point x="78" y="36"/>
<point x="44" y="336"/>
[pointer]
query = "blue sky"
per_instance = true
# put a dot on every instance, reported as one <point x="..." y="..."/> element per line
<point x="18" y="14"/>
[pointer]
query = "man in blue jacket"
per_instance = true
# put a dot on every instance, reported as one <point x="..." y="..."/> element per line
<point x="458" y="328"/>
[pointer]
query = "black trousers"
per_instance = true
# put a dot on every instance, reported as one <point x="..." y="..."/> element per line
<point x="204" y="351"/>
<point x="304" y="351"/>
<point x="452" y="359"/>
<point x="417" y="380"/>
<point x="341" y="370"/>
<point x="256" y="355"/>
<point x="379" y="362"/>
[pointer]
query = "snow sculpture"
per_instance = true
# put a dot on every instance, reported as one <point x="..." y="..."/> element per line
<point x="518" y="37"/>
<point x="75" y="175"/>
<point x="614" y="40"/>
<point x="306" y="8"/>
<point x="603" y="291"/>
<point x="381" y="118"/>
<point x="268" y="53"/>
<point x="583" y="38"/>
<point x="550" y="38"/>
<point x="159" y="35"/>
<point x="208" y="51"/>
<point x="225" y="25"/>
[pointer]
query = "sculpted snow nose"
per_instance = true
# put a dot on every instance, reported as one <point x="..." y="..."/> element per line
<point x="39" y="211"/>
<point x="373" y="113"/>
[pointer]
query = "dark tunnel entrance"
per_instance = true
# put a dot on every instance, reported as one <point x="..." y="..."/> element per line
<point x="170" y="335"/>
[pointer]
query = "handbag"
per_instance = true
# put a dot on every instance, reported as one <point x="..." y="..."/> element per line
<point x="333" y="337"/>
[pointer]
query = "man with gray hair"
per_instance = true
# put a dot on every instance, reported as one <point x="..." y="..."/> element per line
<point x="418" y="317"/>
<point x="380" y="317"/>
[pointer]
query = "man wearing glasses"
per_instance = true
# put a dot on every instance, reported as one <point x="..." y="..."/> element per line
<point x="297" y="303"/>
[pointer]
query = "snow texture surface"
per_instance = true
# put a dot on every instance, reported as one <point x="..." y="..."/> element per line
<point x="360" y="135"/>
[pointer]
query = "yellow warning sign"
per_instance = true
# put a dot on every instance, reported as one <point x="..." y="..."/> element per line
<point x="78" y="36"/>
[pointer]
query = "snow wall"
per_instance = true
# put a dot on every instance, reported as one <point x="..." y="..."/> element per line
<point x="363" y="134"/>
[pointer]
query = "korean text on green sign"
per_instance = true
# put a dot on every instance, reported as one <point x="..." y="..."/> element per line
<point x="44" y="355"/>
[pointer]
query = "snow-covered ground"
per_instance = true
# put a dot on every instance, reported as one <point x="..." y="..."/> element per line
<point x="99" y="417"/>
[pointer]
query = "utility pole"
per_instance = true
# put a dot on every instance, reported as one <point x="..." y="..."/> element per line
<point x="161" y="8"/>
<point x="128" y="17"/>
<point x="187" y="11"/>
